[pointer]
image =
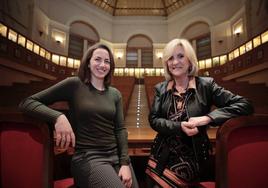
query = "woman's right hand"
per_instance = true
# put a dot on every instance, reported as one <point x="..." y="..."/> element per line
<point x="188" y="128"/>
<point x="64" y="132"/>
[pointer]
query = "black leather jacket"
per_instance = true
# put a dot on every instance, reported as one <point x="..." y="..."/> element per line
<point x="198" y="103"/>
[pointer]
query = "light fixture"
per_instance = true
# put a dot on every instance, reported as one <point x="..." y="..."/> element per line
<point x="119" y="55"/>
<point x="40" y="33"/>
<point x="58" y="36"/>
<point x="58" y="39"/>
<point x="220" y="41"/>
<point x="159" y="55"/>
<point x="238" y="31"/>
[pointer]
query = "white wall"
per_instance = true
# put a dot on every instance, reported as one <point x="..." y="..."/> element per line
<point x="210" y="11"/>
<point x="120" y="48"/>
<point x="158" y="48"/>
<point x="17" y="14"/>
<point x="80" y="10"/>
<point x="153" y="27"/>
<point x="113" y="29"/>
<point x="84" y="30"/>
<point x="243" y="37"/>
<point x="220" y="37"/>
<point x="195" y="30"/>
<point x="219" y="15"/>
<point x="40" y="24"/>
<point x="257" y="16"/>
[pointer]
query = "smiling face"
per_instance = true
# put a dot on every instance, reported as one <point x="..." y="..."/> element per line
<point x="99" y="64"/>
<point x="178" y="64"/>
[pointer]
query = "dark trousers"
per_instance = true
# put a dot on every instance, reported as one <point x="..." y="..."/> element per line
<point x="98" y="170"/>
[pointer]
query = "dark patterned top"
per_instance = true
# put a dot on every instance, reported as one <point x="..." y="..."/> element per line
<point x="177" y="111"/>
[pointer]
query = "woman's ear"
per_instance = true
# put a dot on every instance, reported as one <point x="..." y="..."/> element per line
<point x="190" y="68"/>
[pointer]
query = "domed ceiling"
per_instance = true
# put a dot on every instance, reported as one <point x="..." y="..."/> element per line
<point x="140" y="7"/>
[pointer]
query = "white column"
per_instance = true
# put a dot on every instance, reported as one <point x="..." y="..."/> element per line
<point x="139" y="57"/>
<point x="85" y="46"/>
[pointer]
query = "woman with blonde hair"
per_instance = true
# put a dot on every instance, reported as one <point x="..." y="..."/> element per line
<point x="181" y="113"/>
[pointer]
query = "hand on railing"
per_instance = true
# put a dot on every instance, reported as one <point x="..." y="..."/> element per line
<point x="64" y="132"/>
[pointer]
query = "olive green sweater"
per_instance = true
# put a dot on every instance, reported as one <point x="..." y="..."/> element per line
<point x="96" y="116"/>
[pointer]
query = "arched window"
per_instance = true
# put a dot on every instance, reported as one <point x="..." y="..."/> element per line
<point x="198" y="34"/>
<point x="139" y="51"/>
<point x="81" y="37"/>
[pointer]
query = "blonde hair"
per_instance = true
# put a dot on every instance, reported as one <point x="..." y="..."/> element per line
<point x="189" y="53"/>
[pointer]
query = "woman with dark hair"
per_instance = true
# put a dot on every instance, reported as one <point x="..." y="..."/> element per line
<point x="96" y="124"/>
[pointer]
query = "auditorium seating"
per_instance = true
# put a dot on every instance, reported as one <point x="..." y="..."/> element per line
<point x="11" y="96"/>
<point x="26" y="147"/>
<point x="150" y="82"/>
<point x="256" y="93"/>
<point x="242" y="153"/>
<point x="125" y="84"/>
<point x="26" y="150"/>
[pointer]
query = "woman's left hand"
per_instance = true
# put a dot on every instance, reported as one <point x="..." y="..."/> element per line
<point x="125" y="175"/>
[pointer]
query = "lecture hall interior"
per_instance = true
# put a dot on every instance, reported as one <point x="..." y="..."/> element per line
<point x="42" y="42"/>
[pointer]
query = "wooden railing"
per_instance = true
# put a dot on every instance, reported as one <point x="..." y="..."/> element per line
<point x="12" y="52"/>
<point x="256" y="56"/>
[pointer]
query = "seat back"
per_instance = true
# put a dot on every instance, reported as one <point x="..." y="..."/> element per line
<point x="242" y="153"/>
<point x="25" y="152"/>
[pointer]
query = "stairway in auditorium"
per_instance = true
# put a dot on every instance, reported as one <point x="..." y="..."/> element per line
<point x="137" y="114"/>
<point x="136" y="119"/>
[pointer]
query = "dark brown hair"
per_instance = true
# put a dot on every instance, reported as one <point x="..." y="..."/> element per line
<point x="84" y="72"/>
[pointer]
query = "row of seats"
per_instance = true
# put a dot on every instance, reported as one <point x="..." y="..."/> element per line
<point x="11" y="96"/>
<point x="149" y="83"/>
<point x="26" y="149"/>
<point x="125" y="84"/>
